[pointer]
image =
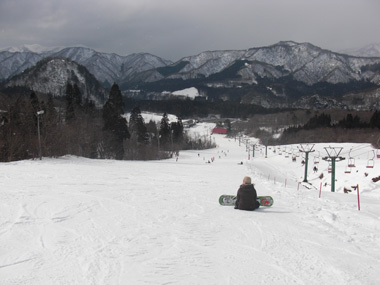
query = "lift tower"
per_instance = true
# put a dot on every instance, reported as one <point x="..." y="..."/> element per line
<point x="333" y="156"/>
<point x="306" y="148"/>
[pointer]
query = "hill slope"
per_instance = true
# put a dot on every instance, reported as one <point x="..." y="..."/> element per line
<point x="80" y="221"/>
<point x="51" y="75"/>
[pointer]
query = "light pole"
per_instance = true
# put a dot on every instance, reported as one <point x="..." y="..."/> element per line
<point x="39" y="136"/>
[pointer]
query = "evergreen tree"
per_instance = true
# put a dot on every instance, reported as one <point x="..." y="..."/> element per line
<point x="51" y="113"/>
<point x="113" y="109"/>
<point x="89" y="107"/>
<point x="137" y="126"/>
<point x="52" y="130"/>
<point x="21" y="135"/>
<point x="320" y="121"/>
<point x="34" y="102"/>
<point x="152" y="132"/>
<point x="165" y="131"/>
<point x="70" y="111"/>
<point x="351" y="122"/>
<point x="35" y="107"/>
<point x="116" y="100"/>
<point x="227" y="124"/>
<point x="114" y="123"/>
<point x="177" y="129"/>
<point x="375" y="120"/>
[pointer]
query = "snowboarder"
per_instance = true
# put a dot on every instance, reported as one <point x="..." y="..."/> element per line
<point x="246" y="198"/>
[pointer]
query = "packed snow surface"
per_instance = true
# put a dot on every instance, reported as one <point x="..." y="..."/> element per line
<point x="73" y="220"/>
<point x="191" y="92"/>
<point x="147" y="116"/>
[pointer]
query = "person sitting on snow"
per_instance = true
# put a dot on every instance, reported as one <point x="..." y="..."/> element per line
<point x="246" y="198"/>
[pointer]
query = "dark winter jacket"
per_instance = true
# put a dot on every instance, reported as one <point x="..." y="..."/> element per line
<point x="246" y="198"/>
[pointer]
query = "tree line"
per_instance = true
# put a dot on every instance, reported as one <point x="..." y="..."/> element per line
<point x="78" y="127"/>
<point x="321" y="128"/>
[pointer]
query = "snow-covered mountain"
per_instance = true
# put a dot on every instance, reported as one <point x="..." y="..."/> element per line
<point x="107" y="68"/>
<point x="35" y="48"/>
<point x="271" y="76"/>
<point x="13" y="63"/>
<point x="371" y="50"/>
<point x="14" y="60"/>
<point x="51" y="75"/>
<point x="302" y="61"/>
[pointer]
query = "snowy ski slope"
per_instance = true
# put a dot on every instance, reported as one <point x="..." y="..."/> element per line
<point x="73" y="220"/>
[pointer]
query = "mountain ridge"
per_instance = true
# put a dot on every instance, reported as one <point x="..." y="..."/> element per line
<point x="275" y="74"/>
<point x="371" y="50"/>
<point x="111" y="67"/>
<point x="306" y="62"/>
<point x="51" y="75"/>
<point x="106" y="67"/>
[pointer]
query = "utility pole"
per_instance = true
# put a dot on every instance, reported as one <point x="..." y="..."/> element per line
<point x="266" y="147"/>
<point x="158" y="143"/>
<point x="333" y="156"/>
<point x="306" y="148"/>
<point x="39" y="136"/>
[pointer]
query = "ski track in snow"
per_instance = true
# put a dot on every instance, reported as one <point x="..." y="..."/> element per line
<point x="79" y="221"/>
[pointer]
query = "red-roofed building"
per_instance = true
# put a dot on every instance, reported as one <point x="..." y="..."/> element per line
<point x="219" y="131"/>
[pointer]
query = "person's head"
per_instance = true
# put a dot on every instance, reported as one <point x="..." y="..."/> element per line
<point x="247" y="180"/>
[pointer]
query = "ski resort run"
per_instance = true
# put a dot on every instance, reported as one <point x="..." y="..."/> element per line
<point x="72" y="220"/>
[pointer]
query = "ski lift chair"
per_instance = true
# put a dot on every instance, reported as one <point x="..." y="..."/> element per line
<point x="351" y="162"/>
<point x="348" y="169"/>
<point x="370" y="163"/>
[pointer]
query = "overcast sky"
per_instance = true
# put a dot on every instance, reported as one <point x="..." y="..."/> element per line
<point x="173" y="29"/>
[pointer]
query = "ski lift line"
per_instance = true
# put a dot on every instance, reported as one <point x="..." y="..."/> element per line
<point x="363" y="153"/>
<point x="358" y="147"/>
<point x="345" y="153"/>
<point x="355" y="149"/>
<point x="360" y="154"/>
<point x="350" y="155"/>
<point x="354" y="156"/>
<point x="315" y="153"/>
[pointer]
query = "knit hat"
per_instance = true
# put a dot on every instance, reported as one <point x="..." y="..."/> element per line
<point x="247" y="180"/>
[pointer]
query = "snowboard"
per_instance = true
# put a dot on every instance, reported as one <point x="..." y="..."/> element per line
<point x="229" y="200"/>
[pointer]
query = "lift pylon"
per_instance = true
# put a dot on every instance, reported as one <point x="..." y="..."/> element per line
<point x="333" y="156"/>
